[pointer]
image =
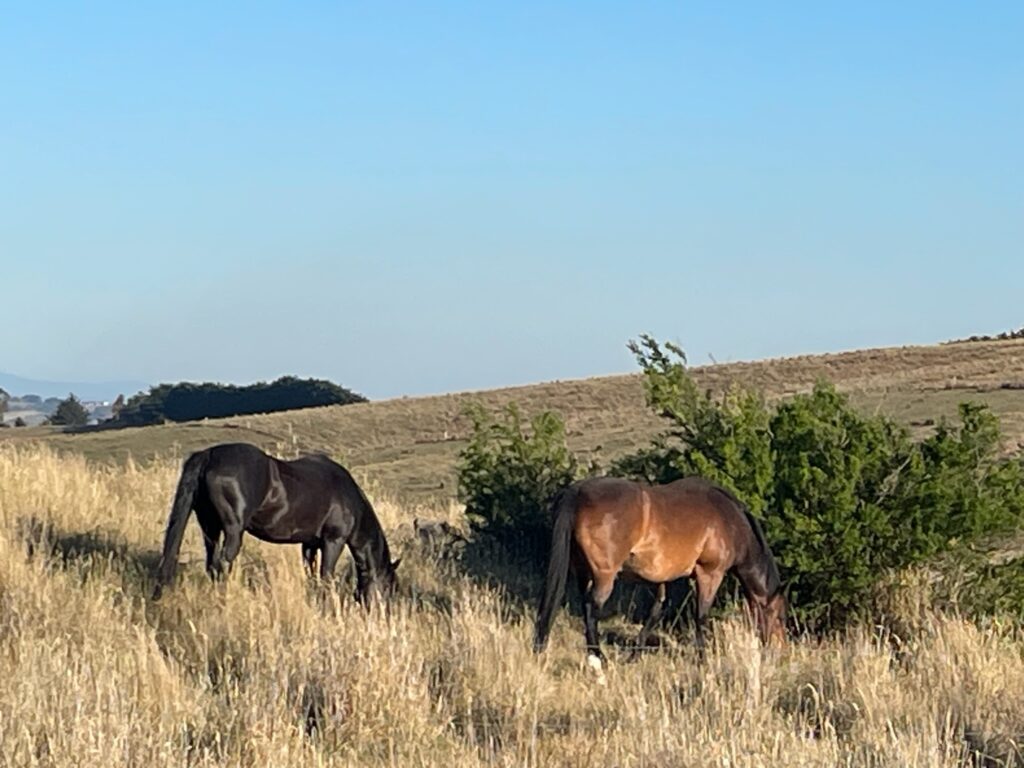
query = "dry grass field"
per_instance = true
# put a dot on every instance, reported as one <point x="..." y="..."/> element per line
<point x="271" y="669"/>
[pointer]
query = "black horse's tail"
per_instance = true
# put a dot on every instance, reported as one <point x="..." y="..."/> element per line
<point x="558" y="565"/>
<point x="191" y="474"/>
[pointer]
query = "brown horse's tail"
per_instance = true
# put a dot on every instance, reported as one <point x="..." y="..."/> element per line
<point x="191" y="474"/>
<point x="558" y="565"/>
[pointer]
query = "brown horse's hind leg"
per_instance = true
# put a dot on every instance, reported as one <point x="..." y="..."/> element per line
<point x="596" y="592"/>
<point x="652" y="620"/>
<point x="708" y="582"/>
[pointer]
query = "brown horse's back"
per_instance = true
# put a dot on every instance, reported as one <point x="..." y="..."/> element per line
<point x="659" y="533"/>
<point x="696" y="510"/>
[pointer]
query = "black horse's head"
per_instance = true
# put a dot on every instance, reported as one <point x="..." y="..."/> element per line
<point x="378" y="585"/>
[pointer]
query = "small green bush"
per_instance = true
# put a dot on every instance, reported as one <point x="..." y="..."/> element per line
<point x="510" y="473"/>
<point x="70" y="412"/>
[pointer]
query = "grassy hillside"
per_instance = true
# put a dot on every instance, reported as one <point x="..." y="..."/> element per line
<point x="271" y="669"/>
<point x="409" y="444"/>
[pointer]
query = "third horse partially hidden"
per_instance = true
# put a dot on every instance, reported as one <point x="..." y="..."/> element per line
<point x="604" y="527"/>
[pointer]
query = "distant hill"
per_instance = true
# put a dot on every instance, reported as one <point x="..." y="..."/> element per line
<point x="410" y="445"/>
<point x="17" y="386"/>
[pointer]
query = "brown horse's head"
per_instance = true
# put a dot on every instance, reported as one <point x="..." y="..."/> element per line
<point x="773" y="620"/>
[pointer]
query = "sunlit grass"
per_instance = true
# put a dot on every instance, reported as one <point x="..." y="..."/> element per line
<point x="270" y="669"/>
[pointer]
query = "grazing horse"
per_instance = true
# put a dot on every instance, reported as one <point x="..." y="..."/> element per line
<point x="312" y="501"/>
<point x="691" y="527"/>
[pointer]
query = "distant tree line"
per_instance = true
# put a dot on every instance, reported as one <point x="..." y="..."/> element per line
<point x="188" y="401"/>
<point x="1004" y="336"/>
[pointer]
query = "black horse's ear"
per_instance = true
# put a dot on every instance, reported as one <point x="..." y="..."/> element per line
<point x="394" y="565"/>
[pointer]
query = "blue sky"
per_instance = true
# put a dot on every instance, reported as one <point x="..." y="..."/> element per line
<point x="414" y="198"/>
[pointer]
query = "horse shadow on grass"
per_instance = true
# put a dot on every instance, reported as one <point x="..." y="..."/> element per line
<point x="86" y="551"/>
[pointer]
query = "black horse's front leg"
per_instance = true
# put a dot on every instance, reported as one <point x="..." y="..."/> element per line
<point x="309" y="550"/>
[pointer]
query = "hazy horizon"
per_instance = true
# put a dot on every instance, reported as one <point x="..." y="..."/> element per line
<point x="110" y="388"/>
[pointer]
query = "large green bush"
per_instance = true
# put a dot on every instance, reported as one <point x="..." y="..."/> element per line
<point x="844" y="497"/>
<point x="509" y="474"/>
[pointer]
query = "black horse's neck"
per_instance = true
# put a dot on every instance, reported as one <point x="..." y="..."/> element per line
<point x="370" y="552"/>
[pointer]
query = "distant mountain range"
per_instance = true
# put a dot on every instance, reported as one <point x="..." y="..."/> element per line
<point x="17" y="386"/>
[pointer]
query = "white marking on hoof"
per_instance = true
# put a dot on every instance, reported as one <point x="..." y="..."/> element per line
<point x="594" y="662"/>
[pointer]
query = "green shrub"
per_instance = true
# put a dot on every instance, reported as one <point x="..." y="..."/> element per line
<point x="843" y="497"/>
<point x="509" y="475"/>
<point x="726" y="440"/>
<point x="70" y="412"/>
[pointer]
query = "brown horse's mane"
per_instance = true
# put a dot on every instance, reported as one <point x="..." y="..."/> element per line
<point x="767" y="558"/>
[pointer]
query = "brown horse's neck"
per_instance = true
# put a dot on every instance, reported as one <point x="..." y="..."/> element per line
<point x="763" y="569"/>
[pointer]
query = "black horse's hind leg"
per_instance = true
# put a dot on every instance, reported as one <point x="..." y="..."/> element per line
<point x="229" y="508"/>
<point x="231" y="547"/>
<point x="211" y="540"/>
<point x="652" y="620"/>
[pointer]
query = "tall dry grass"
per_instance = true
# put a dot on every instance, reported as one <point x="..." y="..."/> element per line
<point x="269" y="669"/>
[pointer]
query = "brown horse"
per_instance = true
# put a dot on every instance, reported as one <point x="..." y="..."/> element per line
<point x="691" y="527"/>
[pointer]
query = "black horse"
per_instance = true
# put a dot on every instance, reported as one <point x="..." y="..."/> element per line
<point x="312" y="501"/>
